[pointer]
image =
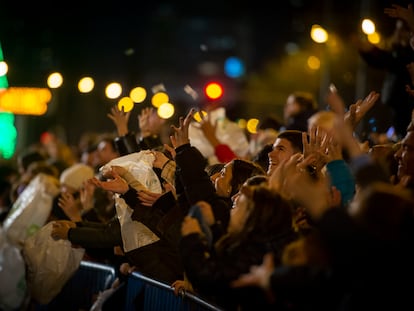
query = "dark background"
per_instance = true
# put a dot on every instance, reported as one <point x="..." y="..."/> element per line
<point x="160" y="42"/>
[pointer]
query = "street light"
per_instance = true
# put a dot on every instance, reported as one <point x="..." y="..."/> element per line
<point x="320" y="35"/>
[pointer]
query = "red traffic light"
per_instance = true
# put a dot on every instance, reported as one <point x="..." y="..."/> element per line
<point x="213" y="90"/>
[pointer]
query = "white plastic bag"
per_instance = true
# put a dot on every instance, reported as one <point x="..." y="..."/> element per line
<point x="12" y="275"/>
<point x="227" y="132"/>
<point x="139" y="164"/>
<point x="31" y="209"/>
<point x="134" y="233"/>
<point x="50" y="263"/>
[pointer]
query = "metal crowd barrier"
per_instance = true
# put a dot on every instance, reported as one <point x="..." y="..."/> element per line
<point x="79" y="292"/>
<point x="144" y="293"/>
<point x="137" y="293"/>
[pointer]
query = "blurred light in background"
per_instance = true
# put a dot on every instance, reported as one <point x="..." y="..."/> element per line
<point x="318" y="34"/>
<point x="125" y="103"/>
<point x="159" y="98"/>
<point x="213" y="90"/>
<point x="25" y="100"/>
<point x="165" y="110"/>
<point x="368" y="26"/>
<point x="86" y="85"/>
<point x="3" y="68"/>
<point x="113" y="90"/>
<point x="197" y="115"/>
<point x="7" y="129"/>
<point x="251" y="125"/>
<point x="313" y="62"/>
<point x="55" y="80"/>
<point x="138" y="94"/>
<point x="234" y="67"/>
<point x="374" y="38"/>
<point x="8" y="135"/>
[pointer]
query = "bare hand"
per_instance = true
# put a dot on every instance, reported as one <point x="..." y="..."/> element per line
<point x="120" y="119"/>
<point x="117" y="184"/>
<point x="181" y="286"/>
<point x="160" y="159"/>
<point x="190" y="225"/>
<point x="149" y="122"/>
<point x="258" y="276"/>
<point x="358" y="110"/>
<point x="70" y="206"/>
<point x="180" y="136"/>
<point x="207" y="212"/>
<point x="60" y="229"/>
<point x="148" y="198"/>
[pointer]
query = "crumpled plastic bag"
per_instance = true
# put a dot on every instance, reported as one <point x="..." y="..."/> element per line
<point x="13" y="287"/>
<point x="50" y="263"/>
<point x="227" y="132"/>
<point x="140" y="164"/>
<point x="31" y="209"/>
<point x="134" y="233"/>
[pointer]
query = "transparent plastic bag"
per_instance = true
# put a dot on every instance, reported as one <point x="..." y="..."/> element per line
<point x="50" y="263"/>
<point x="13" y="287"/>
<point x="227" y="131"/>
<point x="31" y="209"/>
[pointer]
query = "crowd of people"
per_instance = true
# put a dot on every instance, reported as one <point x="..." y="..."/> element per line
<point x="311" y="218"/>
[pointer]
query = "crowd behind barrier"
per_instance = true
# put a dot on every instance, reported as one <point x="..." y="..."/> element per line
<point x="137" y="293"/>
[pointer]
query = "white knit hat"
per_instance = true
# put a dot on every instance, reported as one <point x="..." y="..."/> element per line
<point x="75" y="175"/>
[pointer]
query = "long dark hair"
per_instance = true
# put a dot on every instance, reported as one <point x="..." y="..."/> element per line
<point x="241" y="171"/>
<point x="270" y="216"/>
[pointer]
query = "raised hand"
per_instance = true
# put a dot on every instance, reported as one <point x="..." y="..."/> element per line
<point x="117" y="184"/>
<point x="343" y="131"/>
<point x="258" y="276"/>
<point x="180" y="136"/>
<point x="170" y="149"/>
<point x="160" y="159"/>
<point x="87" y="196"/>
<point x="405" y="14"/>
<point x="190" y="225"/>
<point x="120" y="119"/>
<point x="316" y="146"/>
<point x="149" y="122"/>
<point x="208" y="129"/>
<point x="148" y="198"/>
<point x="358" y="110"/>
<point x="60" y="229"/>
<point x="70" y="206"/>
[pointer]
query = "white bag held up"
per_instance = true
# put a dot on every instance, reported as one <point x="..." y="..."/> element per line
<point x="134" y="233"/>
<point x="31" y="209"/>
<point x="227" y="131"/>
<point x="50" y="263"/>
<point x="139" y="164"/>
<point x="12" y="275"/>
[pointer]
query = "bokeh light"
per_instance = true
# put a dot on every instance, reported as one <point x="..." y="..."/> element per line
<point x="166" y="110"/>
<point x="138" y="94"/>
<point x="159" y="98"/>
<point x="86" y="85"/>
<point x="126" y="103"/>
<point x="113" y="90"/>
<point x="55" y="80"/>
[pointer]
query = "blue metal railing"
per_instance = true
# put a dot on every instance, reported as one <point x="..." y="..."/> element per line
<point x="148" y="294"/>
<point x="138" y="293"/>
<point x="79" y="292"/>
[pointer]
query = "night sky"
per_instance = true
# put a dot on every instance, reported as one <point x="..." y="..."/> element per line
<point x="152" y="43"/>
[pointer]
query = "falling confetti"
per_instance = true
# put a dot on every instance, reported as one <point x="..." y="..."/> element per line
<point x="190" y="91"/>
<point x="158" y="88"/>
